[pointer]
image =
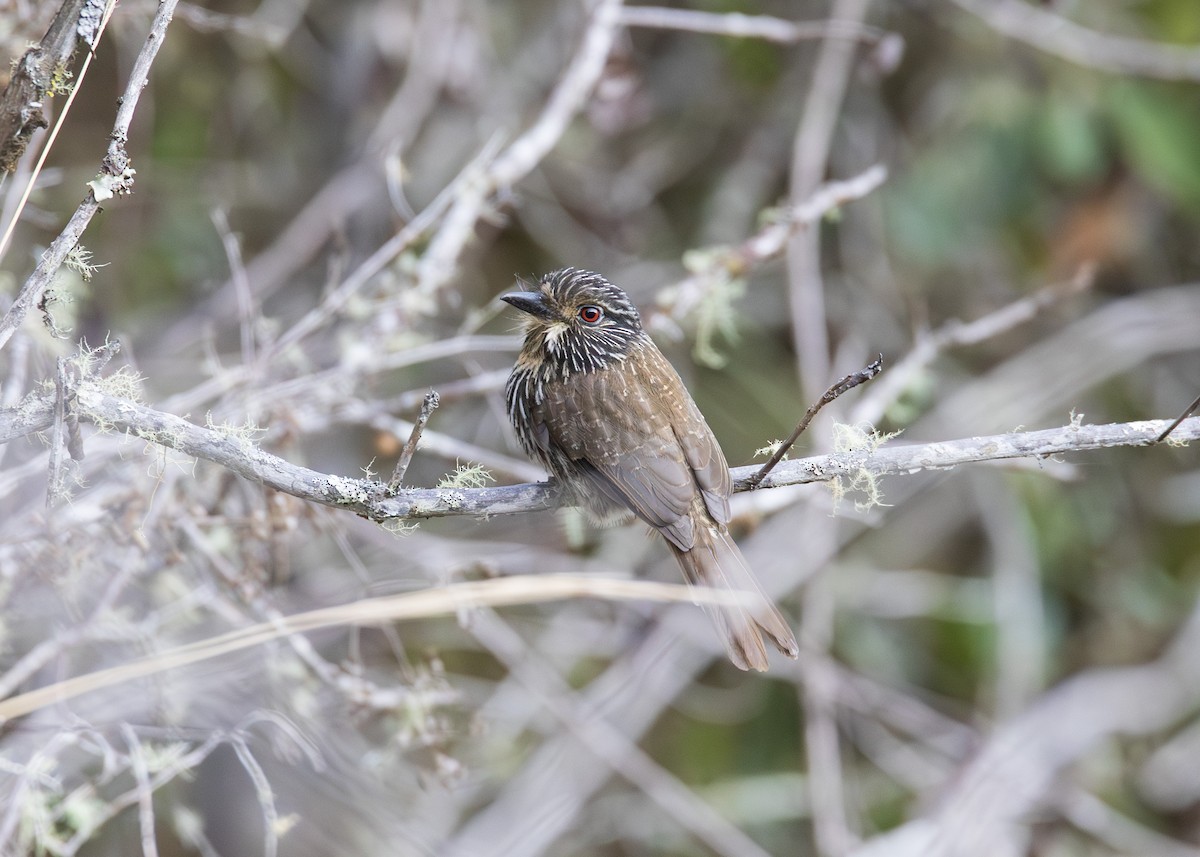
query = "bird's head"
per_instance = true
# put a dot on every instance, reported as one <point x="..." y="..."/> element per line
<point x="577" y="320"/>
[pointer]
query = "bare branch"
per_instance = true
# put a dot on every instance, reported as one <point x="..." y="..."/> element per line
<point x="677" y="301"/>
<point x="370" y="499"/>
<point x="747" y="26"/>
<point x="848" y="383"/>
<point x="570" y="94"/>
<point x="439" y="601"/>
<point x="21" y="104"/>
<point x="115" y="168"/>
<point x="1054" y="34"/>
<point x="410" y="448"/>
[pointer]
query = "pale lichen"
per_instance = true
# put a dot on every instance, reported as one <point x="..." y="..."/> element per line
<point x="858" y="440"/>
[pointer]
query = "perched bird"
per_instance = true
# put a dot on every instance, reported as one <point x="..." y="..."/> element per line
<point x="594" y="401"/>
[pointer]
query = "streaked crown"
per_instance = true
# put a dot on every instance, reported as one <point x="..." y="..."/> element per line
<point x="577" y="321"/>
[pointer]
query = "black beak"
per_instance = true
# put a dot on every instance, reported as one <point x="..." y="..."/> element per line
<point x="533" y="303"/>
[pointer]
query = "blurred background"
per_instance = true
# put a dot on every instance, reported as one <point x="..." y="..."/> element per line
<point x="997" y="659"/>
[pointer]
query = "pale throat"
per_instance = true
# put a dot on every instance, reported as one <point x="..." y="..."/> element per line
<point x="552" y="334"/>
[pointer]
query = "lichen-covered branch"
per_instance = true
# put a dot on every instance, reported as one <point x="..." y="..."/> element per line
<point x="116" y="177"/>
<point x="371" y="499"/>
<point x="32" y="82"/>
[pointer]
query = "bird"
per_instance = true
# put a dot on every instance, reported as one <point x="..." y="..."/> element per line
<point x="595" y="402"/>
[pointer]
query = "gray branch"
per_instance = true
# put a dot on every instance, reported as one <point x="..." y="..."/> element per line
<point x="115" y="171"/>
<point x="1062" y="37"/>
<point x="21" y="113"/>
<point x="371" y="499"/>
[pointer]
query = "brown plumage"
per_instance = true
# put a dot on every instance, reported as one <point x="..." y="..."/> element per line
<point x="594" y="400"/>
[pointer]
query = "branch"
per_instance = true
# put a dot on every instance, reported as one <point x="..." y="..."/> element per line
<point x="571" y="93"/>
<point x="677" y="301"/>
<point x="842" y="386"/>
<point x="116" y="177"/>
<point x="738" y="25"/>
<point x="435" y="601"/>
<point x="21" y="104"/>
<point x="1075" y="43"/>
<point x="1016" y="770"/>
<point x="432" y="400"/>
<point x="372" y="500"/>
<point x="955" y="334"/>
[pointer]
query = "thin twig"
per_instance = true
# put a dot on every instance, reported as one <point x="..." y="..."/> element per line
<point x="145" y="791"/>
<point x="241" y="283"/>
<point x="848" y="383"/>
<point x="1038" y="26"/>
<point x="406" y="455"/>
<point x="264" y="793"/>
<point x="740" y="25"/>
<point x="56" y="481"/>
<point x="1191" y="409"/>
<point x="440" y="601"/>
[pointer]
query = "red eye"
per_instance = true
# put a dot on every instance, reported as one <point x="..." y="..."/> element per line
<point x="590" y="314"/>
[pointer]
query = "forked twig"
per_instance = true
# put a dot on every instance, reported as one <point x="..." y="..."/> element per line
<point x="848" y="383"/>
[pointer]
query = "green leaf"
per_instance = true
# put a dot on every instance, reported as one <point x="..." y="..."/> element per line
<point x="1160" y="136"/>
<point x="1069" y="141"/>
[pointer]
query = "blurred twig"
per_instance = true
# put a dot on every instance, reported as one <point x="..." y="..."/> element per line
<point x="955" y="334"/>
<point x="348" y="191"/>
<point x="679" y="300"/>
<point x="738" y="25"/>
<point x="1017" y="769"/>
<point x="1038" y="26"/>
<point x="336" y="299"/>
<point x="608" y="744"/>
<point x="506" y="591"/>
<point x="574" y="86"/>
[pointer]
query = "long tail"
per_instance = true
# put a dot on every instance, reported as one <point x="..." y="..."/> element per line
<point x="715" y="561"/>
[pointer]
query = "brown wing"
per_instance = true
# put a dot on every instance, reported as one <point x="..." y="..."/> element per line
<point x="635" y="431"/>
<point x="703" y="454"/>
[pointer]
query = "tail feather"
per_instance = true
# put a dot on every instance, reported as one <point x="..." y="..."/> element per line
<point x="716" y="562"/>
